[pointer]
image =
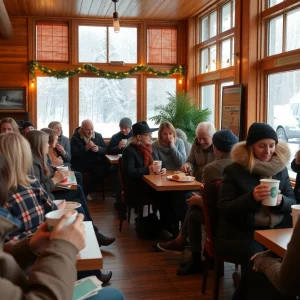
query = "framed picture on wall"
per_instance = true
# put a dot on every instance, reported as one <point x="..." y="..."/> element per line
<point x="13" y="99"/>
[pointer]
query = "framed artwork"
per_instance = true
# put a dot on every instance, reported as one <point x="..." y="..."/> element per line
<point x="233" y="109"/>
<point x="13" y="99"/>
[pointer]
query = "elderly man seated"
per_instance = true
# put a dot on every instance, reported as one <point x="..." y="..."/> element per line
<point x="88" y="151"/>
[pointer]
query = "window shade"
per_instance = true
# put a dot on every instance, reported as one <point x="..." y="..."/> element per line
<point x="161" y="45"/>
<point x="52" y="42"/>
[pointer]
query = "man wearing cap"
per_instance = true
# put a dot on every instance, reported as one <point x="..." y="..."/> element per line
<point x="136" y="162"/>
<point x="88" y="151"/>
<point x="27" y="126"/>
<point x="116" y="145"/>
<point x="223" y="141"/>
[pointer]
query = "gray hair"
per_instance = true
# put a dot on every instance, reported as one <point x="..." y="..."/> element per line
<point x="206" y="126"/>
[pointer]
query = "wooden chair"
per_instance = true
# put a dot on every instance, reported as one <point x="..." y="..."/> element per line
<point x="209" y="193"/>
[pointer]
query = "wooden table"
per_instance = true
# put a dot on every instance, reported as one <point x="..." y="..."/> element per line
<point x="89" y="258"/>
<point x="113" y="159"/>
<point x="161" y="183"/>
<point x="274" y="239"/>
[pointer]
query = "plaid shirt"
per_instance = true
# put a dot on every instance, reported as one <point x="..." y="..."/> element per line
<point x="29" y="205"/>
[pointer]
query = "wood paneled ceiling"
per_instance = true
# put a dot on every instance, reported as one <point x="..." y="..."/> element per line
<point x="127" y="9"/>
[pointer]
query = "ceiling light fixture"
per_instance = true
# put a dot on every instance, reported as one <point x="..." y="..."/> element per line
<point x="116" y="22"/>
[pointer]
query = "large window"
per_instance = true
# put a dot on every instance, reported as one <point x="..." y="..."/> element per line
<point x="106" y="101"/>
<point x="284" y="32"/>
<point x="157" y="94"/>
<point x="101" y="44"/>
<point x="283" y="107"/>
<point x="208" y="100"/>
<point x="216" y="48"/>
<point x="52" y="42"/>
<point x="53" y="102"/>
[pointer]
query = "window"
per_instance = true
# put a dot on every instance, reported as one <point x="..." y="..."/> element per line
<point x="284" y="38"/>
<point x="216" y="49"/>
<point x="161" y="45"/>
<point x="101" y="44"/>
<point x="274" y="2"/>
<point x="106" y="101"/>
<point x="52" y="42"/>
<point x="157" y="94"/>
<point x="283" y="97"/>
<point x="208" y="100"/>
<point x="53" y="102"/>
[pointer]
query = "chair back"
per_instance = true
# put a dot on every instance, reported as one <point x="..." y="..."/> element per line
<point x="210" y="193"/>
<point x="120" y="169"/>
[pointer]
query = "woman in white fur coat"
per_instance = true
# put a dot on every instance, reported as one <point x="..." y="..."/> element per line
<point x="240" y="207"/>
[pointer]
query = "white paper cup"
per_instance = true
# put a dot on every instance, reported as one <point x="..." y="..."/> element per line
<point x="54" y="216"/>
<point x="273" y="185"/>
<point x="157" y="165"/>
<point x="295" y="213"/>
<point x="63" y="168"/>
<point x="124" y="140"/>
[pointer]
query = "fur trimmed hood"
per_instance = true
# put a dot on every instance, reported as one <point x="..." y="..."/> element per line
<point x="282" y="155"/>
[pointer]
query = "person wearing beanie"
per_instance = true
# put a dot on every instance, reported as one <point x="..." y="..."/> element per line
<point x="115" y="146"/>
<point x="241" y="206"/>
<point x="223" y="141"/>
<point x="27" y="126"/>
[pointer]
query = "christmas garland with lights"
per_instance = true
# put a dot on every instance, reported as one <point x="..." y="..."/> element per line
<point x="60" y="74"/>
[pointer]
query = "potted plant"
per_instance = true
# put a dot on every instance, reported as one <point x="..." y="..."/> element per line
<point x="181" y="113"/>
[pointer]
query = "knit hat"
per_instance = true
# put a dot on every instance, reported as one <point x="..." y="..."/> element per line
<point x="224" y="140"/>
<point x="27" y="124"/>
<point x="125" y="122"/>
<point x="142" y="127"/>
<point x="260" y="131"/>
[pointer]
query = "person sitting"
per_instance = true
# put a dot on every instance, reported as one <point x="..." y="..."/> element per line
<point x="168" y="148"/>
<point x="62" y="147"/>
<point x="295" y="165"/>
<point x="269" y="277"/>
<point x="240" y="206"/>
<point x="27" y="126"/>
<point x="202" y="152"/>
<point x="116" y="145"/>
<point x="8" y="125"/>
<point x="27" y="200"/>
<point x="223" y="141"/>
<point x="136" y="162"/>
<point x="52" y="273"/>
<point x="182" y="135"/>
<point x="88" y="151"/>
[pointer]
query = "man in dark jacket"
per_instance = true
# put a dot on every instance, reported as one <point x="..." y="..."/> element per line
<point x="116" y="145"/>
<point x="88" y="151"/>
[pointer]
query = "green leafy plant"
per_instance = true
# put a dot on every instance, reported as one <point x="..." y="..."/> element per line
<point x="181" y="113"/>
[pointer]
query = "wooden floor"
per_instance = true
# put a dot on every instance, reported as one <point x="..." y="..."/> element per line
<point x="141" y="273"/>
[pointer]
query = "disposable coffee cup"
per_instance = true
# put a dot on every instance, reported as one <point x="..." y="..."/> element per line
<point x="273" y="185"/>
<point x="157" y="165"/>
<point x="124" y="141"/>
<point x="295" y="213"/>
<point x="54" y="216"/>
<point x="63" y="168"/>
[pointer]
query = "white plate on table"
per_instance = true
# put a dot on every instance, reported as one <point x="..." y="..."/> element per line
<point x="187" y="179"/>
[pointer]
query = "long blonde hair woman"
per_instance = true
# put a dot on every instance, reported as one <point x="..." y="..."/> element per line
<point x="27" y="201"/>
<point x="168" y="148"/>
<point x="8" y="125"/>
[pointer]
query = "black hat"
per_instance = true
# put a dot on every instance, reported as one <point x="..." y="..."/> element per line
<point x="260" y="131"/>
<point x="125" y="122"/>
<point x="142" y="127"/>
<point x="224" y="140"/>
<point x="27" y="124"/>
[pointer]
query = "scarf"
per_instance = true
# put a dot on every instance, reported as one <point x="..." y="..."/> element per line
<point x="145" y="152"/>
<point x="85" y="138"/>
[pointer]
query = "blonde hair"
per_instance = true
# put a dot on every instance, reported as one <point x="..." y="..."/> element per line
<point x="12" y="122"/>
<point x="164" y="125"/>
<point x="18" y="160"/>
<point x="53" y="124"/>
<point x="134" y="140"/>
<point x="37" y="140"/>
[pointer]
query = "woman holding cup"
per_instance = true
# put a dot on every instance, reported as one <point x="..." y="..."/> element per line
<point x="249" y="198"/>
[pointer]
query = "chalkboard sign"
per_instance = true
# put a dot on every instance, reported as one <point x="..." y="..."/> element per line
<point x="233" y="109"/>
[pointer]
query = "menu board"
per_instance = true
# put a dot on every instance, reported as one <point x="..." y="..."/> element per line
<point x="232" y="109"/>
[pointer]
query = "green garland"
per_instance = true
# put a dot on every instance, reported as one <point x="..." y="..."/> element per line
<point x="60" y="74"/>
